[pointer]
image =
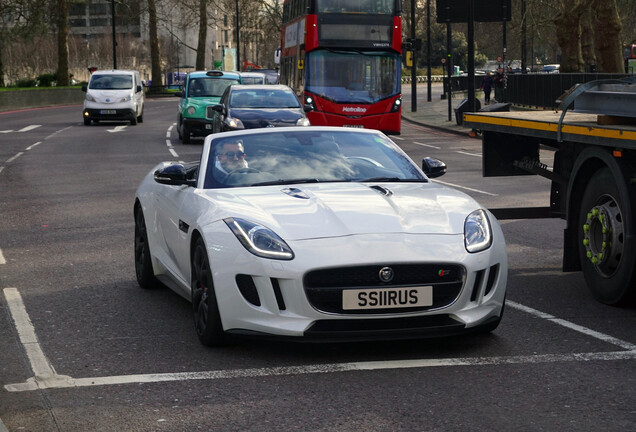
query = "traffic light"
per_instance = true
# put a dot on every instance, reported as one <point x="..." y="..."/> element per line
<point x="408" y="61"/>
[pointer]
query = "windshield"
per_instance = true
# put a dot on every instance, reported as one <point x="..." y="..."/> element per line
<point x="356" y="6"/>
<point x="263" y="99"/>
<point x="111" y="82"/>
<point x="209" y="87"/>
<point x="299" y="156"/>
<point x="352" y="77"/>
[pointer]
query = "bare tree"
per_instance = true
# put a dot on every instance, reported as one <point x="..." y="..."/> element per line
<point x="609" y="50"/>
<point x="62" y="43"/>
<point x="155" y="52"/>
<point x="203" y="34"/>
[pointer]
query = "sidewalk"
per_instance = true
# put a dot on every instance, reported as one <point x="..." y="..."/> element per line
<point x="432" y="114"/>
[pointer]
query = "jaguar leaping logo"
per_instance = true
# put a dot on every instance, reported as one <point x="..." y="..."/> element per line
<point x="386" y="274"/>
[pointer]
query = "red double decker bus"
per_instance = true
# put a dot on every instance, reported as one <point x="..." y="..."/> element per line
<point x="344" y="58"/>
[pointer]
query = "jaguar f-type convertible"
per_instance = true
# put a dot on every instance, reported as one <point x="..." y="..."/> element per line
<point x="318" y="234"/>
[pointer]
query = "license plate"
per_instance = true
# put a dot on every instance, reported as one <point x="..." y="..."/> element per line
<point x="387" y="298"/>
<point x="354" y="126"/>
<point x="108" y="111"/>
<point x="208" y="126"/>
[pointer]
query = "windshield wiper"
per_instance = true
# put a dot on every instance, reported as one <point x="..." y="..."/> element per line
<point x="286" y="182"/>
<point x="391" y="179"/>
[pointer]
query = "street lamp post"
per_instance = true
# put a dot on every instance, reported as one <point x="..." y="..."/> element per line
<point x="238" y="42"/>
<point x="112" y="11"/>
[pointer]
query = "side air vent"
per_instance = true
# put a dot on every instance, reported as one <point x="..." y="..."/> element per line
<point x="247" y="288"/>
<point x="278" y="294"/>
<point x="479" y="277"/>
<point x="492" y="277"/>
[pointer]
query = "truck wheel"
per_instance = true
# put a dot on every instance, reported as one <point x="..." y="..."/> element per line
<point x="607" y="256"/>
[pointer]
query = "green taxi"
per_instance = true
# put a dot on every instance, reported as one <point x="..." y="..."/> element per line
<point x="201" y="91"/>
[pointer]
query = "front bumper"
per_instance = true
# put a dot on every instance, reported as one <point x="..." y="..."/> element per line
<point x="197" y="126"/>
<point x="272" y="299"/>
<point x="109" y="113"/>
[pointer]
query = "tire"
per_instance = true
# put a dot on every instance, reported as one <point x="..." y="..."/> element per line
<point x="133" y="121"/>
<point x="606" y="255"/>
<point x="143" y="260"/>
<point x="207" y="319"/>
<point x="87" y="121"/>
<point x="140" y="119"/>
<point x="185" y="135"/>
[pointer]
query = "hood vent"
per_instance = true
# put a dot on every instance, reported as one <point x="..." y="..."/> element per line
<point x="382" y="190"/>
<point x="295" y="192"/>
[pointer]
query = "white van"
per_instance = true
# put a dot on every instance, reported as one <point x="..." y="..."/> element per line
<point x="253" y="78"/>
<point x="114" y="95"/>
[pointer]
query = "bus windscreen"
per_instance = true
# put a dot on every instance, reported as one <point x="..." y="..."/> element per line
<point x="352" y="77"/>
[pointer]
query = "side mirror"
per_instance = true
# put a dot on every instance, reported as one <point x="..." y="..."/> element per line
<point x="433" y="167"/>
<point x="308" y="107"/>
<point x="84" y="88"/>
<point x="139" y="88"/>
<point x="175" y="175"/>
<point x="220" y="108"/>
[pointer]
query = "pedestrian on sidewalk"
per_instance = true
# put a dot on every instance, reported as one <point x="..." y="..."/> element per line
<point x="486" y="86"/>
<point x="499" y="80"/>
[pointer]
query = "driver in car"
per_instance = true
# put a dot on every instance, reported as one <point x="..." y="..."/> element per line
<point x="230" y="156"/>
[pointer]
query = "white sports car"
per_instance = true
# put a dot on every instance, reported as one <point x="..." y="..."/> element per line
<point x="318" y="233"/>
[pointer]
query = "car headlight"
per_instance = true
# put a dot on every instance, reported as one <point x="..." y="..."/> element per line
<point x="477" y="232"/>
<point x="126" y="98"/>
<point x="191" y="110"/>
<point x="259" y="240"/>
<point x="90" y="98"/>
<point x="234" y="123"/>
<point x="304" y="121"/>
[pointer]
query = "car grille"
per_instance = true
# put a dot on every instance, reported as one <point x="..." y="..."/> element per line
<point x="209" y="112"/>
<point x="324" y="287"/>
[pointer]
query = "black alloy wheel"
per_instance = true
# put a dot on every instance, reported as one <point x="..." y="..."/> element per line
<point x="207" y="320"/>
<point x="143" y="261"/>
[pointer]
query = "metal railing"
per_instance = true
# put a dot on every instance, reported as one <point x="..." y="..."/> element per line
<point x="532" y="90"/>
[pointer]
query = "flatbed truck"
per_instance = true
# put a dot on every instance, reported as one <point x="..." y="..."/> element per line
<point x="592" y="178"/>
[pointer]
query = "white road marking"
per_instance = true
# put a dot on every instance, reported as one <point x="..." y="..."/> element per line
<point x="2" y="260"/>
<point x="397" y="138"/>
<point x="67" y="382"/>
<point x="11" y="159"/>
<point x="469" y="154"/>
<point x="117" y="129"/>
<point x="33" y="145"/>
<point x="466" y="188"/>
<point x="6" y="131"/>
<point x="169" y="143"/>
<point x="57" y="132"/>
<point x="40" y="365"/>
<point x="45" y="376"/>
<point x="426" y="145"/>
<point x="572" y="326"/>
<point x="28" y="128"/>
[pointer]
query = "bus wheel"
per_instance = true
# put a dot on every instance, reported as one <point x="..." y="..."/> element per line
<point x="607" y="256"/>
